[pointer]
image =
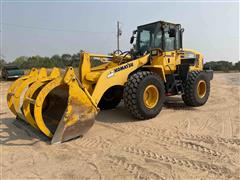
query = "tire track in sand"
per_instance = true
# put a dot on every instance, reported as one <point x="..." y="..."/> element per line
<point x="187" y="163"/>
<point x="185" y="145"/>
<point x="171" y="138"/>
<point x="136" y="128"/>
<point x="202" y="138"/>
<point x="138" y="171"/>
<point x="94" y="143"/>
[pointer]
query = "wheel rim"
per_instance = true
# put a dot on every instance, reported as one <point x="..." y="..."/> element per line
<point x="150" y="96"/>
<point x="201" y="88"/>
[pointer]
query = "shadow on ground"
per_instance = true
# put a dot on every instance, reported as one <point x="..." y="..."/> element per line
<point x="121" y="115"/>
<point x="11" y="80"/>
<point x="176" y="103"/>
<point x="116" y="115"/>
<point x="13" y="130"/>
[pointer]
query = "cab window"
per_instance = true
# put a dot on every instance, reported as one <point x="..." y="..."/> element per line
<point x="145" y="39"/>
<point x="169" y="41"/>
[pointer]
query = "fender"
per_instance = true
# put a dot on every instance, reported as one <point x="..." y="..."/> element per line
<point x="116" y="76"/>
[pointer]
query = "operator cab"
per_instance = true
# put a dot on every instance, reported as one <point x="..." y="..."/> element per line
<point x="163" y="35"/>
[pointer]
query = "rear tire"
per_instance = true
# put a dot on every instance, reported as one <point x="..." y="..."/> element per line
<point x="196" y="89"/>
<point x="144" y="95"/>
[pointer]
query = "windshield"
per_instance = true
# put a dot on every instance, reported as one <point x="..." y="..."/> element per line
<point x="149" y="36"/>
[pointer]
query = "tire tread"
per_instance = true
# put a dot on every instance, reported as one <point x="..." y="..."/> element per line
<point x="130" y="93"/>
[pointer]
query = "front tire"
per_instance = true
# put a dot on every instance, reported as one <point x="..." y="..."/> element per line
<point x="144" y="95"/>
<point x="111" y="98"/>
<point x="196" y="89"/>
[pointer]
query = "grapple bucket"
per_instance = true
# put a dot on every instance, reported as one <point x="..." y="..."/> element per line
<point x="60" y="107"/>
<point x="32" y="92"/>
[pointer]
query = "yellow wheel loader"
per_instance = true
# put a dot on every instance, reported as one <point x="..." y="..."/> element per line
<point x="64" y="106"/>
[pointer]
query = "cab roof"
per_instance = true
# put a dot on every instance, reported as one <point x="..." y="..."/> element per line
<point x="161" y="22"/>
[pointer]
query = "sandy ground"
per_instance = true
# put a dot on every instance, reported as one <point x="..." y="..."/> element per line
<point x="180" y="143"/>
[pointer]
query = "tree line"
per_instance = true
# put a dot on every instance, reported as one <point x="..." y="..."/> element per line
<point x="61" y="61"/>
<point x="65" y="60"/>
<point x="224" y="66"/>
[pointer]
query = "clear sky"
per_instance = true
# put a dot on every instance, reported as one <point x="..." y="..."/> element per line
<point x="48" y="28"/>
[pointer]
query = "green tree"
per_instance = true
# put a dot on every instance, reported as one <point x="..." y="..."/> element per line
<point x="2" y="63"/>
<point x="237" y="66"/>
<point x="75" y="60"/>
<point x="57" y="61"/>
<point x="219" y="65"/>
<point x="67" y="59"/>
<point x="20" y="61"/>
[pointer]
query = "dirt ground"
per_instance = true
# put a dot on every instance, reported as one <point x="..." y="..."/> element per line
<point x="180" y="143"/>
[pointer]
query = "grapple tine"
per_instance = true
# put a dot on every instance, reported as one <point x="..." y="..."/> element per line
<point x="33" y="90"/>
<point x="12" y="91"/>
<point x="17" y="102"/>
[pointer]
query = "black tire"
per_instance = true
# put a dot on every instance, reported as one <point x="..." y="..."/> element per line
<point x="191" y="96"/>
<point x="133" y="94"/>
<point x="110" y="99"/>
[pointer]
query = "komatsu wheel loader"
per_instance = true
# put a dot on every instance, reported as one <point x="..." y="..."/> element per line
<point x="64" y="106"/>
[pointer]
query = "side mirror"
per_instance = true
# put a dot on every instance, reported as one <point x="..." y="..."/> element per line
<point x="132" y="39"/>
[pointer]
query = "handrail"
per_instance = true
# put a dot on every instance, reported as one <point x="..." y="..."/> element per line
<point x="100" y="55"/>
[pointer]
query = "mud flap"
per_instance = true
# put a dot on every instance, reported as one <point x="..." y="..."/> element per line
<point x="208" y="74"/>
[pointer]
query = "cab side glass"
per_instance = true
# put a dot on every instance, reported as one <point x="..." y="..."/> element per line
<point x="169" y="41"/>
<point x="172" y="33"/>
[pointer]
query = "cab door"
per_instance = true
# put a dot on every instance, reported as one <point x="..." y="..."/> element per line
<point x="169" y="39"/>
